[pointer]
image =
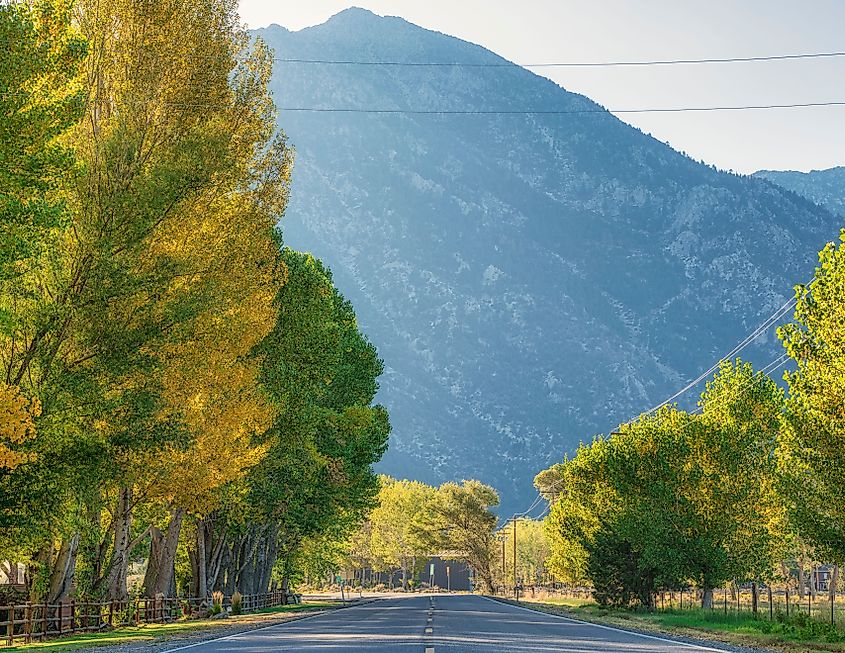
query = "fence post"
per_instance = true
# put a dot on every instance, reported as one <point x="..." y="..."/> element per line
<point x="28" y="625"/>
<point x="73" y="615"/>
<point x="10" y="628"/>
<point x="787" y="601"/>
<point x="725" y="590"/>
<point x="771" y="605"/>
<point x="44" y="621"/>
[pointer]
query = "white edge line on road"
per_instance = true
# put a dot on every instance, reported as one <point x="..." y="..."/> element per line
<point x="255" y="630"/>
<point x="618" y="630"/>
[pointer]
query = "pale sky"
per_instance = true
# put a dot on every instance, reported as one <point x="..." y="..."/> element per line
<point x="534" y="31"/>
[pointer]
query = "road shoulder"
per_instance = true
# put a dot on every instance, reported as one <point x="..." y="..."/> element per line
<point x="712" y="642"/>
<point x="160" y="638"/>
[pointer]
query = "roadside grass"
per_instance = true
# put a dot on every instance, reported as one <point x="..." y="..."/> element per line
<point x="796" y="633"/>
<point x="158" y="632"/>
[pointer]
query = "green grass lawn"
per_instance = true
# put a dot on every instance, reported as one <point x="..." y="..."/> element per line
<point x="152" y="632"/>
<point x="796" y="633"/>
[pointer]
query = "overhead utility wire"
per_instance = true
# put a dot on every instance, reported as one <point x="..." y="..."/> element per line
<point x="478" y="112"/>
<point x="778" y="362"/>
<point x="767" y="323"/>
<point x="561" y="64"/>
<point x="558" y="112"/>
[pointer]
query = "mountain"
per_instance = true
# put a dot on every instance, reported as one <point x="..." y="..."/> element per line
<point x="824" y="187"/>
<point x="531" y="280"/>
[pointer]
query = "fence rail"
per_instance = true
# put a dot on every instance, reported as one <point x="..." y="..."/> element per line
<point x="27" y="622"/>
<point x="771" y="603"/>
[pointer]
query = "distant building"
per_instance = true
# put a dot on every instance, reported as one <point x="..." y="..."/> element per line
<point x="821" y="577"/>
<point x="451" y="574"/>
<point x="444" y="571"/>
<point x="11" y="573"/>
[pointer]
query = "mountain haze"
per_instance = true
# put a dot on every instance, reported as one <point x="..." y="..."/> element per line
<point x="530" y="280"/>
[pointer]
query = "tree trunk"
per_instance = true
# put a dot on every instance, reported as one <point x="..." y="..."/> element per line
<point x="707" y="598"/>
<point x="161" y="568"/>
<point x="271" y="553"/>
<point x="834" y="582"/>
<point x="61" y="577"/>
<point x="230" y="565"/>
<point x="216" y="551"/>
<point x="119" y="567"/>
<point x="199" y="561"/>
<point x="802" y="577"/>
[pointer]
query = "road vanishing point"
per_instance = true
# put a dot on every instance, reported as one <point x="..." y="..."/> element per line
<point x="439" y="624"/>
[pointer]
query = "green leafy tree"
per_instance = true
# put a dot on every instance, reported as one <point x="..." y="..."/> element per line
<point x="812" y="442"/>
<point x="42" y="98"/>
<point x="679" y="498"/>
<point x="532" y="552"/>
<point x="463" y="526"/>
<point x="399" y="526"/>
<point x="582" y="500"/>
<point x="321" y="373"/>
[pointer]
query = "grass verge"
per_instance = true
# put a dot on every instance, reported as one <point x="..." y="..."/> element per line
<point x="795" y="634"/>
<point x="183" y="628"/>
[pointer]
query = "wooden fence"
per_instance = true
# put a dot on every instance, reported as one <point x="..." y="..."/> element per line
<point x="26" y="622"/>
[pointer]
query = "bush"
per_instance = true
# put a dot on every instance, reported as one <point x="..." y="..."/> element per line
<point x="237" y="603"/>
<point x="619" y="576"/>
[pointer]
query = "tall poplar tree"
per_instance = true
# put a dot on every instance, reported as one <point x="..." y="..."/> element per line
<point x="812" y="443"/>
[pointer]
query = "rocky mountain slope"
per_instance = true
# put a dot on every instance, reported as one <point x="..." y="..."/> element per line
<point x="824" y="187"/>
<point x="530" y="279"/>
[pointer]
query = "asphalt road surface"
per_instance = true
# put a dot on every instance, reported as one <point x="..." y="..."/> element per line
<point x="439" y="624"/>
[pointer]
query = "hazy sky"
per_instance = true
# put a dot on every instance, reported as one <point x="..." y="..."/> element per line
<point x="534" y="31"/>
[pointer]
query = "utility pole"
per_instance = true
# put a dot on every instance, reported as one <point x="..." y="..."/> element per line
<point x="515" y="586"/>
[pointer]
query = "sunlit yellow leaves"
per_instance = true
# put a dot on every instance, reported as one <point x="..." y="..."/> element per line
<point x="16" y="425"/>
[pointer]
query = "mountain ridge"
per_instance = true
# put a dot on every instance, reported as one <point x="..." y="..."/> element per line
<point x="825" y="187"/>
<point x="530" y="280"/>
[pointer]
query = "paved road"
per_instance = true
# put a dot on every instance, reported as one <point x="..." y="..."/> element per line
<point x="439" y="624"/>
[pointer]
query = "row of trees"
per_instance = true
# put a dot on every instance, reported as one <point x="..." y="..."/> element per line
<point x="176" y="386"/>
<point x="731" y="494"/>
<point x="414" y="521"/>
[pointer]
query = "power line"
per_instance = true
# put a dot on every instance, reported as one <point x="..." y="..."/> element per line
<point x="481" y="112"/>
<point x="767" y="323"/>
<point x="777" y="363"/>
<point x="560" y="64"/>
<point x="772" y="366"/>
<point x="557" y="112"/>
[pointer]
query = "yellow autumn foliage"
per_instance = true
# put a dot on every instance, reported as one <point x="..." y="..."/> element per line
<point x="16" y="425"/>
